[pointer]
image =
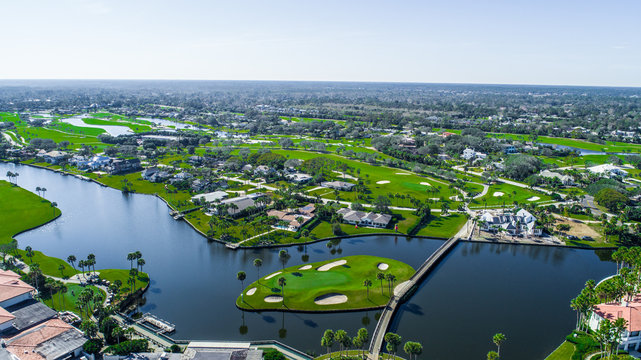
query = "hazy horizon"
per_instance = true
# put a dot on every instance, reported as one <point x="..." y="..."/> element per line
<point x="572" y="43"/>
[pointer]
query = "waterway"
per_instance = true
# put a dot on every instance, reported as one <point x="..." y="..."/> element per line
<point x="479" y="289"/>
<point x="113" y="130"/>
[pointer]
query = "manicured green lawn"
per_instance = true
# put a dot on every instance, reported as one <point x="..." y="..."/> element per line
<point x="112" y="275"/>
<point x="443" y="226"/>
<point x="68" y="300"/>
<point x="563" y="352"/>
<point x="304" y="286"/>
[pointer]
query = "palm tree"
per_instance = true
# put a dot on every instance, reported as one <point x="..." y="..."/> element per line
<point x="380" y="276"/>
<point x="62" y="270"/>
<point x="141" y="263"/>
<point x="340" y="337"/>
<point x="82" y="264"/>
<point x="241" y="276"/>
<point x="258" y="263"/>
<point x="43" y="190"/>
<point x="9" y="175"/>
<point x="390" y="280"/>
<point x="498" y="339"/>
<point x="492" y="355"/>
<point x="117" y="332"/>
<point x="91" y="258"/>
<point x="29" y="253"/>
<point x="38" y="190"/>
<point x="131" y="257"/>
<point x="327" y="340"/>
<point x="367" y="283"/>
<point x="54" y="205"/>
<point x="282" y="282"/>
<point x="392" y="340"/>
<point x="363" y="336"/>
<point x="71" y="259"/>
<point x="63" y="290"/>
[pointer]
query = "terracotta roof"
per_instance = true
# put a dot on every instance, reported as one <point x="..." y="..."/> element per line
<point x="24" y="344"/>
<point x="9" y="273"/>
<point x="5" y="316"/>
<point x="631" y="313"/>
<point x="11" y="286"/>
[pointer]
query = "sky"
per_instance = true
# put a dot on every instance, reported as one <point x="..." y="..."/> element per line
<point x="560" y="42"/>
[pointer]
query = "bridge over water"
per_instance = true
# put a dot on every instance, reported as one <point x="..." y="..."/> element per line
<point x="401" y="292"/>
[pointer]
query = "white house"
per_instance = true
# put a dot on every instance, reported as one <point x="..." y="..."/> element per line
<point x="365" y="219"/>
<point x="520" y="223"/>
<point x="469" y="154"/>
<point x="565" y="179"/>
<point x="299" y="177"/>
<point x="608" y="170"/>
<point x="210" y="197"/>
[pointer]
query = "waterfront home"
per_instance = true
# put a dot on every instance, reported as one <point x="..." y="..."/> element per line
<point x="155" y="175"/>
<point x="263" y="170"/>
<point x="630" y="311"/>
<point x="338" y="185"/>
<point x="608" y="170"/>
<point x="120" y="166"/>
<point x="292" y="220"/>
<point x="523" y="222"/>
<point x="54" y="157"/>
<point x="469" y="154"/>
<point x="239" y="204"/>
<point x="199" y="185"/>
<point x="565" y="179"/>
<point x="12" y="289"/>
<point x="210" y="197"/>
<point x="362" y="218"/>
<point x="52" y="340"/>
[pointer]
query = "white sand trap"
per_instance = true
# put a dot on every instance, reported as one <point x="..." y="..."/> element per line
<point x="272" y="275"/>
<point x="273" y="298"/>
<point x="534" y="198"/>
<point x="383" y="266"/>
<point x="330" y="299"/>
<point x="498" y="193"/>
<point x="251" y="291"/>
<point x="332" y="264"/>
<point x="426" y="184"/>
<point x="403" y="174"/>
<point x="382" y="182"/>
<point x="400" y="287"/>
<point x="306" y="267"/>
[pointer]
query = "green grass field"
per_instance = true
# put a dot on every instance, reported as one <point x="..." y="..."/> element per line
<point x="112" y="275"/>
<point x="305" y="286"/>
<point x="563" y="352"/>
<point x="68" y="300"/>
<point x="511" y="193"/>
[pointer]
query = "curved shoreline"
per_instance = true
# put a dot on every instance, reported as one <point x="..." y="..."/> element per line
<point x="311" y="241"/>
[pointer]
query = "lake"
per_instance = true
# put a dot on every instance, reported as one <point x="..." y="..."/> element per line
<point x="479" y="289"/>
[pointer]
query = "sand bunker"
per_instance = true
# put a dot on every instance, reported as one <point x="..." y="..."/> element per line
<point x="426" y="184"/>
<point x="403" y="174"/>
<point x="272" y="275"/>
<point x="383" y="266"/>
<point x="533" y="198"/>
<point x="330" y="299"/>
<point x="251" y="291"/>
<point x="498" y="193"/>
<point x="382" y="182"/>
<point x="306" y="267"/>
<point x="273" y="298"/>
<point x="332" y="264"/>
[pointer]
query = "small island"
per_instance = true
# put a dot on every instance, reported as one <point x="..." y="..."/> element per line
<point x="342" y="284"/>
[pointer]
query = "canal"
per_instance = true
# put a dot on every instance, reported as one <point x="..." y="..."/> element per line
<point x="479" y="289"/>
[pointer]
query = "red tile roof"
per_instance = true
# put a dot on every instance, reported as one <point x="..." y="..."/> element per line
<point x="11" y="286"/>
<point x="24" y="344"/>
<point x="631" y="313"/>
<point x="5" y="316"/>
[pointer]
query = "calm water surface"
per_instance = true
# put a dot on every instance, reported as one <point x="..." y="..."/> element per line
<point x="478" y="290"/>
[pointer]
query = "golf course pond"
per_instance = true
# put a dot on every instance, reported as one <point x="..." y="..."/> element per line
<point x="477" y="290"/>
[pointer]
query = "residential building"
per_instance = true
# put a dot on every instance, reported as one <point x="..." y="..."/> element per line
<point x="608" y="170"/>
<point x="338" y="185"/>
<point x="292" y="220"/>
<point x="565" y="179"/>
<point x="211" y="197"/>
<point x="470" y="154"/>
<point x="523" y="222"/>
<point x="241" y="203"/>
<point x="155" y="175"/>
<point x="299" y="177"/>
<point x="12" y="289"/>
<point x="362" y="218"/>
<point x="54" y="157"/>
<point x="52" y="340"/>
<point x="120" y="166"/>
<point x="630" y="311"/>
<point x="509" y="149"/>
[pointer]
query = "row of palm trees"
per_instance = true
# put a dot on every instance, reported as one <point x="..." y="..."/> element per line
<point x="497" y="339"/>
<point x="13" y="177"/>
<point x="89" y="263"/>
<point x="361" y="339"/>
<point x="137" y="257"/>
<point x="390" y="278"/>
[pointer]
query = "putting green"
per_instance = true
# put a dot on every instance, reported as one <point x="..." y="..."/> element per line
<point x="330" y="285"/>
